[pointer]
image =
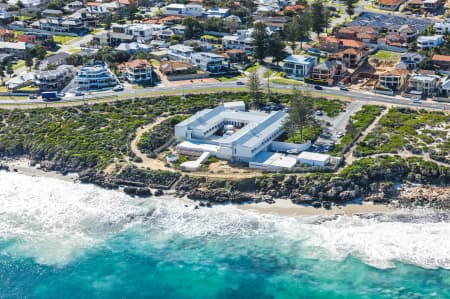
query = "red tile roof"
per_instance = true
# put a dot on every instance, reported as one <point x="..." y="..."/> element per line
<point x="437" y="57"/>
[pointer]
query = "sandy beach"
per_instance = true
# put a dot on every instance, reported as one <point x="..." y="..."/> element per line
<point x="23" y="166"/>
<point x="284" y="207"/>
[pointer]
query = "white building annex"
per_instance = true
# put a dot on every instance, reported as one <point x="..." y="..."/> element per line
<point x="230" y="134"/>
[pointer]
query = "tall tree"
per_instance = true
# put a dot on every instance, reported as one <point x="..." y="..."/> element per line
<point x="192" y="27"/>
<point x="108" y="23"/>
<point x="9" y="69"/>
<point x="292" y="31"/>
<point x="349" y="7"/>
<point x="301" y="114"/>
<point x="318" y="17"/>
<point x="304" y="27"/>
<point x="2" y="72"/>
<point x="260" y="38"/>
<point x="276" y="48"/>
<point x="254" y="85"/>
<point x="28" y="57"/>
<point x="268" y="75"/>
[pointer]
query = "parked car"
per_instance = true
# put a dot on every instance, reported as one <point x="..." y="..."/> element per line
<point x="239" y="83"/>
<point x="33" y="96"/>
<point x="78" y="93"/>
<point x="416" y="100"/>
<point x="319" y="113"/>
<point x="318" y="87"/>
<point x="313" y="51"/>
<point x="343" y="88"/>
<point x="339" y="134"/>
<point x="118" y="88"/>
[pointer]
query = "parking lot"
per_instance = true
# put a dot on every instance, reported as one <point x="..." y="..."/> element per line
<point x="333" y="126"/>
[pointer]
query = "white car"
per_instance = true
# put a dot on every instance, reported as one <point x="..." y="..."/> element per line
<point x="118" y="88"/>
<point x="339" y="135"/>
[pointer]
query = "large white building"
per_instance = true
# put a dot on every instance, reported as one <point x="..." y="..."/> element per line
<point x="428" y="42"/>
<point x="208" y="62"/>
<point x="193" y="10"/>
<point x="95" y="76"/>
<point x="180" y="52"/>
<point x="229" y="133"/>
<point x="299" y="66"/>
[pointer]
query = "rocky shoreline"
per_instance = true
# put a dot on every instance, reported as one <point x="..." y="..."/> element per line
<point x="416" y="187"/>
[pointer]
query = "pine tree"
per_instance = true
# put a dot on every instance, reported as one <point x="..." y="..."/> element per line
<point x="301" y="114"/>
<point x="254" y="85"/>
<point x="318" y="17"/>
<point x="260" y="38"/>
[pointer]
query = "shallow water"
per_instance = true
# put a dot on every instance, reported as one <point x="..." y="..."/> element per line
<point x="65" y="240"/>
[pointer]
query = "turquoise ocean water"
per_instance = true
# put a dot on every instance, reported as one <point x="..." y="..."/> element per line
<point x="64" y="240"/>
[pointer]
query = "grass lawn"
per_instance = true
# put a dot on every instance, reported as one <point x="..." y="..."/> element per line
<point x="75" y="50"/>
<point x="19" y="64"/>
<point x="252" y="68"/>
<point x="387" y="55"/>
<point x="62" y="39"/>
<point x="230" y="79"/>
<point x="95" y="31"/>
<point x="3" y="89"/>
<point x="155" y="62"/>
<point x="280" y="80"/>
<point x="28" y="88"/>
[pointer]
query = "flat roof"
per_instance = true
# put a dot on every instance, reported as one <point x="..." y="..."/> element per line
<point x="313" y="156"/>
<point x="274" y="159"/>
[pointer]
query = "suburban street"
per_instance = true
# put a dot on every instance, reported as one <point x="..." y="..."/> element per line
<point x="233" y="86"/>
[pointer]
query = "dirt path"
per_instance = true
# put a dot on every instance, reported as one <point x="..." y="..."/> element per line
<point x="146" y="161"/>
<point x="348" y="157"/>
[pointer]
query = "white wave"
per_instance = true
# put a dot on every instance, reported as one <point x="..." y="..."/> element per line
<point x="50" y="220"/>
<point x="54" y="222"/>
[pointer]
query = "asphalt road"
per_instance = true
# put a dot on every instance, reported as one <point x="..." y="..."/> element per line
<point x="209" y="87"/>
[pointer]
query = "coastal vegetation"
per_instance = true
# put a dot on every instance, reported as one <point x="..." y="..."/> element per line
<point x="75" y="138"/>
<point x="159" y="135"/>
<point x="406" y="130"/>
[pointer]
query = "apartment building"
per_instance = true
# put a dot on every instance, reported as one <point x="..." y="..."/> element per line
<point x="55" y="79"/>
<point x="137" y="71"/>
<point x="208" y="62"/>
<point x="299" y="66"/>
<point x="94" y="76"/>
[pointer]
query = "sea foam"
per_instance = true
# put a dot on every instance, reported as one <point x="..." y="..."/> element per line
<point x="55" y="222"/>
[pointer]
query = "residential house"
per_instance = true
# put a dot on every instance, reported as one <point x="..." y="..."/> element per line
<point x="173" y="68"/>
<point x="61" y="25"/>
<point x="422" y="84"/>
<point x="329" y="71"/>
<point x="46" y="13"/>
<point x="429" y="42"/>
<point x="55" y="79"/>
<point x="394" y="80"/>
<point x="389" y="4"/>
<point x="405" y="31"/>
<point x="134" y="47"/>
<point x="137" y="71"/>
<point x="192" y="10"/>
<point x="433" y="5"/>
<point x="235" y="56"/>
<point x="6" y="17"/>
<point x="366" y="34"/>
<point x="442" y="27"/>
<point x="441" y="62"/>
<point x="351" y="57"/>
<point x="410" y="61"/>
<point x="208" y="62"/>
<point x="14" y="48"/>
<point x="180" y="52"/>
<point x="54" y="60"/>
<point x="299" y="66"/>
<point x="6" y="35"/>
<point x="27" y="38"/>
<point x="73" y="6"/>
<point x="333" y="44"/>
<point x="444" y="89"/>
<point x="217" y="13"/>
<point x="96" y="75"/>
<point x="241" y="40"/>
